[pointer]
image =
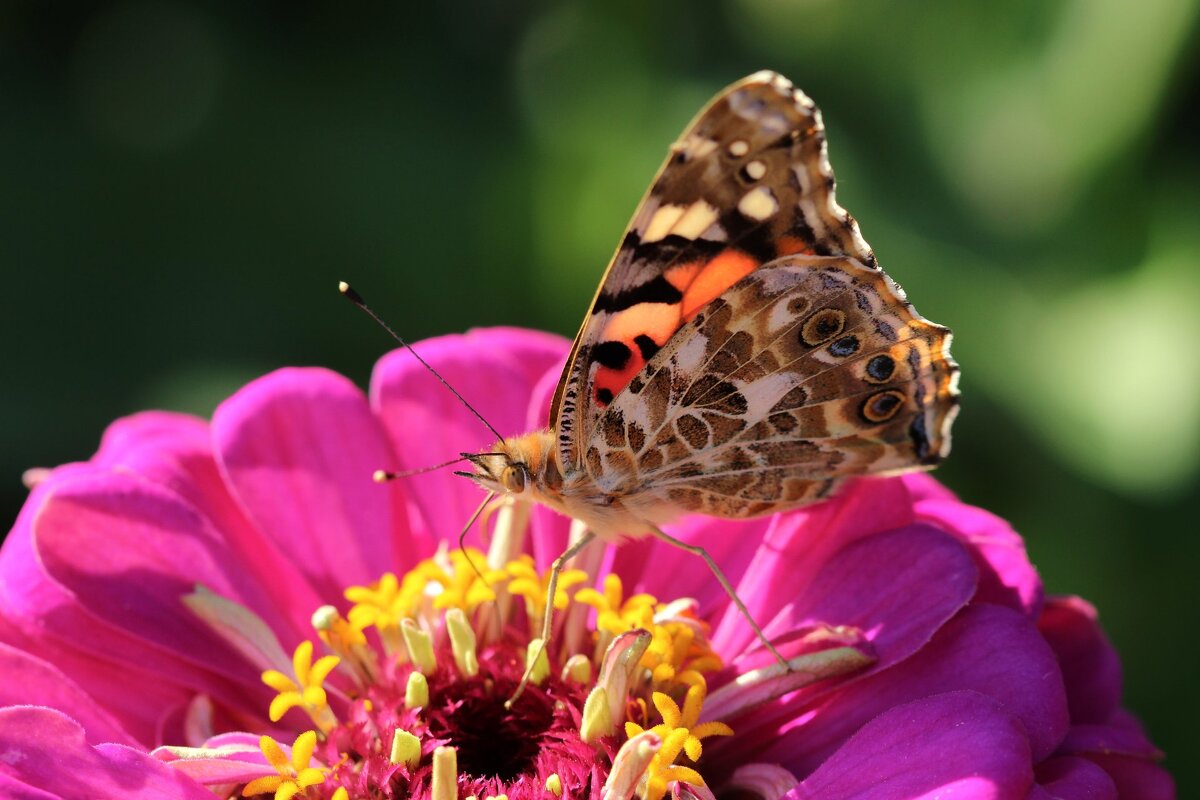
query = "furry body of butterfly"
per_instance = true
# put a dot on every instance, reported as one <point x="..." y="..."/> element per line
<point x="744" y="353"/>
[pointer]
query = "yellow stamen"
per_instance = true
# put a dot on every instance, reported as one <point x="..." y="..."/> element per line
<point x="305" y="691"/>
<point x="597" y="719"/>
<point x="535" y="654"/>
<point x="381" y="605"/>
<point x="406" y="749"/>
<point x="554" y="785"/>
<point x="420" y="646"/>
<point x="416" y="691"/>
<point x="677" y="645"/>
<point x="445" y="774"/>
<point x="294" y="775"/>
<point x="462" y="643"/>
<point x="578" y="669"/>
<point x="533" y="587"/>
<point x="681" y="733"/>
<point x="347" y="642"/>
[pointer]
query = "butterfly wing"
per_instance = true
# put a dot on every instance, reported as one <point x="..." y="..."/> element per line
<point x="802" y="374"/>
<point x="748" y="182"/>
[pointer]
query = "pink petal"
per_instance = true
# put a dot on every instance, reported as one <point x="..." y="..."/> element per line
<point x="299" y="447"/>
<point x="1137" y="779"/>
<point x="1075" y="779"/>
<point x="985" y="649"/>
<point x="1122" y="735"/>
<point x="1088" y="661"/>
<point x="237" y="760"/>
<point x="40" y="614"/>
<point x="898" y="610"/>
<point x="28" y="680"/>
<point x="119" y="553"/>
<point x="958" y="744"/>
<point x="146" y="432"/>
<point x="175" y="451"/>
<point x="797" y="544"/>
<point x="648" y="565"/>
<point x="924" y="486"/>
<point x="494" y="370"/>
<point x="1006" y="575"/>
<point x="45" y="749"/>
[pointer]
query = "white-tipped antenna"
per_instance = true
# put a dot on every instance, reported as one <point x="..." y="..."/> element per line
<point x="383" y="475"/>
<point x="354" y="297"/>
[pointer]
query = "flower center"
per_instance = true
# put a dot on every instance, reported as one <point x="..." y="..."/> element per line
<point x="498" y="743"/>
<point x="410" y="699"/>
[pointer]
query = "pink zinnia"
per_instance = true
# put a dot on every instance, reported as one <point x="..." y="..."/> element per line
<point x="158" y="604"/>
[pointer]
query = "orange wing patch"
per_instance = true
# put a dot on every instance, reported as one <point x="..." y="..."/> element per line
<point x="723" y="271"/>
<point x="632" y="336"/>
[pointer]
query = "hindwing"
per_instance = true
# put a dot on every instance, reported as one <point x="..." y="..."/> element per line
<point x="806" y="372"/>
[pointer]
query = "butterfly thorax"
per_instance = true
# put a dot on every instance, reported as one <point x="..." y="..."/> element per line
<point x="527" y="468"/>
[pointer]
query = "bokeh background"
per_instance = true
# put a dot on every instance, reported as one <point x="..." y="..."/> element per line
<point x="182" y="185"/>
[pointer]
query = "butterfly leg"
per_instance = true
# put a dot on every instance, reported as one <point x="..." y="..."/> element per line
<point x="697" y="550"/>
<point x="548" y="618"/>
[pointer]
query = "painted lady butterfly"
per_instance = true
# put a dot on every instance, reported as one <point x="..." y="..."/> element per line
<point x="744" y="353"/>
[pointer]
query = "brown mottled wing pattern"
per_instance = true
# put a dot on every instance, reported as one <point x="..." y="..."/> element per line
<point x="748" y="182"/>
<point x="802" y="374"/>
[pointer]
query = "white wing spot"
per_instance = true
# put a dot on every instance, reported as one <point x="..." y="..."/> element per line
<point x="758" y="204"/>
<point x="739" y="148"/>
<point x="662" y="222"/>
<point x="697" y="146"/>
<point x="700" y="215"/>
<point x="756" y="169"/>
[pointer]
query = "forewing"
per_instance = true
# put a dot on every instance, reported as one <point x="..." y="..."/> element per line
<point x="747" y="182"/>
<point x="802" y="374"/>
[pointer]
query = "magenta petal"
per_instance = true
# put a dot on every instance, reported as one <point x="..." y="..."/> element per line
<point x="1122" y="735"/>
<point x="1137" y="779"/>
<point x="239" y="759"/>
<point x="144" y="433"/>
<point x="985" y="649"/>
<point x="923" y="486"/>
<point x="176" y="451"/>
<point x="494" y="369"/>
<point x="1075" y="779"/>
<point x="126" y="551"/>
<point x="29" y="680"/>
<point x="796" y="546"/>
<point x="898" y="609"/>
<point x="45" y="749"/>
<point x="299" y="447"/>
<point x="958" y="744"/>
<point x="648" y="565"/>
<point x="1088" y="661"/>
<point x="1006" y="575"/>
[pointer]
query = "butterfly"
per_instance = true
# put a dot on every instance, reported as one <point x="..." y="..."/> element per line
<point x="744" y="353"/>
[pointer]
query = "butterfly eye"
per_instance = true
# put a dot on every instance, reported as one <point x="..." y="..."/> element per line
<point x="513" y="478"/>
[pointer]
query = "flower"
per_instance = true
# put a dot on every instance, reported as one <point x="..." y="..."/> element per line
<point x="177" y="608"/>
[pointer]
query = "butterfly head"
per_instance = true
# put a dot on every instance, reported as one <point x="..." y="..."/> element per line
<point x="498" y="472"/>
<point x="518" y="466"/>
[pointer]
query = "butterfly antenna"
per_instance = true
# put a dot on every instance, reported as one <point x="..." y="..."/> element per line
<point x="354" y="297"/>
<point x="383" y="475"/>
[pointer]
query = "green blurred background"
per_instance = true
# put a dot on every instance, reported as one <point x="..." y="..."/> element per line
<point x="183" y="184"/>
